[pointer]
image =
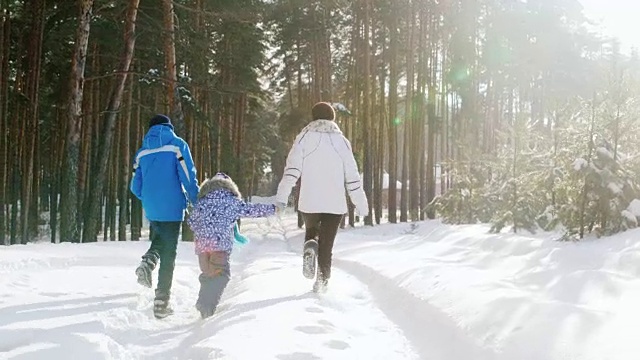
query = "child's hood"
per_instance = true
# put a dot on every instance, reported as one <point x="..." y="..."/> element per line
<point x="218" y="183"/>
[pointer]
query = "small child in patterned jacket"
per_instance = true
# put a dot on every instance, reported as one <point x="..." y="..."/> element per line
<point x="214" y="224"/>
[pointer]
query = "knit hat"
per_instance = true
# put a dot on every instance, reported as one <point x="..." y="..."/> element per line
<point x="323" y="111"/>
<point x="160" y="120"/>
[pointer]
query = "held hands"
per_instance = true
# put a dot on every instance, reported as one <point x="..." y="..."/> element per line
<point x="279" y="207"/>
<point x="364" y="212"/>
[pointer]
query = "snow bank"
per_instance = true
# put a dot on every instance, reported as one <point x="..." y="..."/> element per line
<point x="634" y="207"/>
<point x="522" y="297"/>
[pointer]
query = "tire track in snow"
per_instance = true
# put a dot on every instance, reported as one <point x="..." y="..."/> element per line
<point x="432" y="333"/>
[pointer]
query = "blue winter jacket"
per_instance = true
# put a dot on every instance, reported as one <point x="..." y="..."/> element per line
<point x="163" y="171"/>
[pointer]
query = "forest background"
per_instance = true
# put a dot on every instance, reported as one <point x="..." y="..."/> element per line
<point x="514" y="113"/>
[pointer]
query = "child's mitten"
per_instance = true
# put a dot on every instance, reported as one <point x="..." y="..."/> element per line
<point x="239" y="238"/>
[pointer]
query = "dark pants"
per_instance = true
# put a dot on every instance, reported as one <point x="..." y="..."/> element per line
<point x="214" y="278"/>
<point x="324" y="228"/>
<point x="164" y="241"/>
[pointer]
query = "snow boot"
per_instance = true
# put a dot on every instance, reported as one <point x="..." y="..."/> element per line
<point x="144" y="275"/>
<point x="161" y="308"/>
<point x="309" y="256"/>
<point x="320" y="286"/>
<point x="205" y="312"/>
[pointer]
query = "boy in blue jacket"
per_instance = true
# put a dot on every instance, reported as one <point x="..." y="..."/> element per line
<point x="163" y="170"/>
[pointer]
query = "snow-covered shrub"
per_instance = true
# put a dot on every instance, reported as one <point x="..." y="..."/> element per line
<point x="606" y="193"/>
<point x="468" y="201"/>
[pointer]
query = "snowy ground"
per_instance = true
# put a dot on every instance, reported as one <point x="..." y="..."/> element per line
<point x="421" y="291"/>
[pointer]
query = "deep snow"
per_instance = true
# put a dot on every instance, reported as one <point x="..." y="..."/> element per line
<point x="407" y="291"/>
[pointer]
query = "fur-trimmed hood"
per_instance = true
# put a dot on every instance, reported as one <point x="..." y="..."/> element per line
<point x="217" y="183"/>
<point x="323" y="126"/>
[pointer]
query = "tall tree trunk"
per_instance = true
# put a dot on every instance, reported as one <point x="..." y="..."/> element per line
<point x="91" y="108"/>
<point x="94" y="130"/>
<point x="105" y="201"/>
<point x="432" y="123"/>
<point x="4" y="81"/>
<point x="315" y="55"/>
<point x="173" y="101"/>
<point x="445" y="148"/>
<point x="125" y="167"/>
<point x="16" y="134"/>
<point x="300" y="97"/>
<point x="393" y="119"/>
<point x="3" y="138"/>
<point x="136" y="205"/>
<point x="69" y="226"/>
<point x="406" y="146"/>
<point x="32" y="90"/>
<point x="109" y="122"/>
<point x="416" y="166"/>
<point x="36" y="176"/>
<point x="431" y="150"/>
<point x="112" y="187"/>
<point x="352" y="96"/>
<point x="57" y="173"/>
<point x="514" y="175"/>
<point x="367" y="148"/>
<point x="379" y="179"/>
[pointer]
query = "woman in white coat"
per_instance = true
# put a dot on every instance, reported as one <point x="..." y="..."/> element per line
<point x="321" y="157"/>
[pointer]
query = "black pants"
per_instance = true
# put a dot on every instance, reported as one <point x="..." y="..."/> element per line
<point x="164" y="241"/>
<point x="324" y="228"/>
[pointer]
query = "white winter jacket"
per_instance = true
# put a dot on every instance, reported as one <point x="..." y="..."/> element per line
<point x="322" y="158"/>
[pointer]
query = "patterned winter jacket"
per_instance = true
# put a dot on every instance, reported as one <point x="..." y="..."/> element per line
<point x="218" y="208"/>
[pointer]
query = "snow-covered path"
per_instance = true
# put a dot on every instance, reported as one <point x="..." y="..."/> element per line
<point x="81" y="301"/>
<point x="408" y="291"/>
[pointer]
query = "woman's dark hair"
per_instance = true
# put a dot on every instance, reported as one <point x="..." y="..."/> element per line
<point x="324" y="111"/>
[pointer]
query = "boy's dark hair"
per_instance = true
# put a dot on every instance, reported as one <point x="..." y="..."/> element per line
<point x="160" y="119"/>
<point x="323" y="111"/>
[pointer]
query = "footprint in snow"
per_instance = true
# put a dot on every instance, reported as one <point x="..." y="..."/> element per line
<point x="316" y="310"/>
<point x="337" y="345"/>
<point x="324" y="328"/>
<point x="325" y="323"/>
<point x="312" y="329"/>
<point x="53" y="294"/>
<point x="20" y="284"/>
<point x="298" y="356"/>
